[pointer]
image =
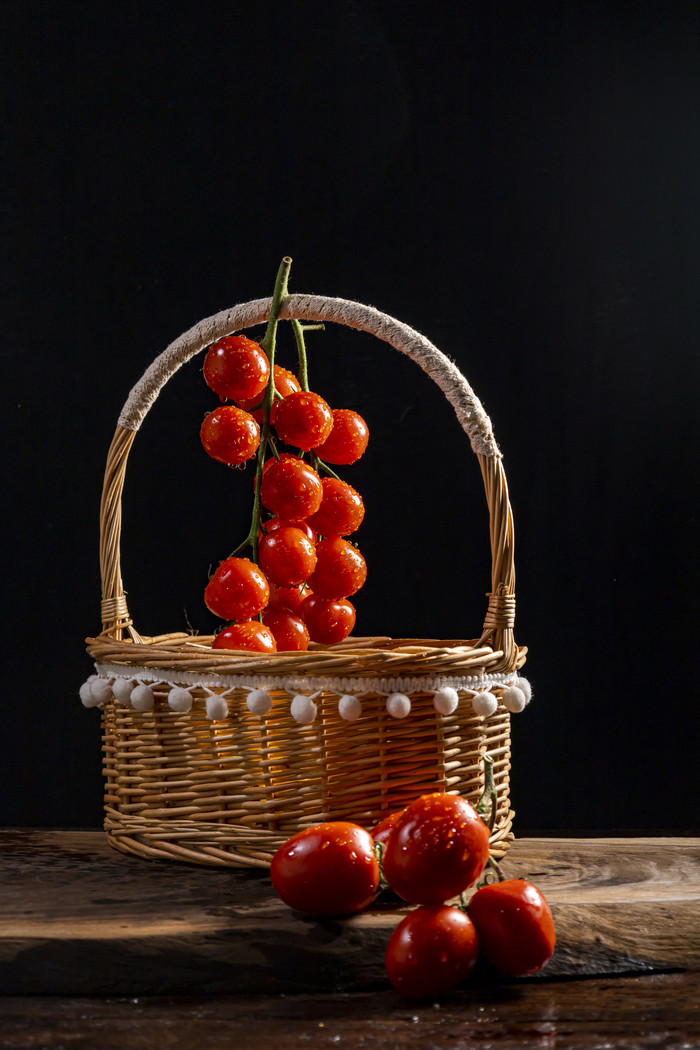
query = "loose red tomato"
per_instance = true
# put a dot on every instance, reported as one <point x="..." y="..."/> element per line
<point x="329" y="620"/>
<point x="287" y="556"/>
<point x="230" y="435"/>
<point x="291" y="489"/>
<point x="290" y="632"/>
<point x="303" y="419"/>
<point x="431" y="951"/>
<point x="248" y="636"/>
<point x="237" y="368"/>
<point x="238" y="590"/>
<point x="381" y="831"/>
<point x="347" y="440"/>
<point x="341" y="511"/>
<point x="515" y="926"/>
<point x="340" y="569"/>
<point x="330" y="869"/>
<point x="438" y="848"/>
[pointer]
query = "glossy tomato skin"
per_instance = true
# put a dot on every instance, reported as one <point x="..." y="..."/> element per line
<point x="248" y="636"/>
<point x="290" y="632"/>
<point x="330" y="869"/>
<point x="431" y="950"/>
<point x="515" y="926"/>
<point x="237" y="368"/>
<point x="329" y="620"/>
<point x="290" y="488"/>
<point x="278" y="523"/>
<point x="291" y="599"/>
<point x="437" y="849"/>
<point x="342" y="509"/>
<point x="347" y="440"/>
<point x="287" y="556"/>
<point x="285" y="383"/>
<point x="381" y="831"/>
<point x="303" y="419"/>
<point x="238" y="590"/>
<point x="340" y="569"/>
<point x="230" y="435"/>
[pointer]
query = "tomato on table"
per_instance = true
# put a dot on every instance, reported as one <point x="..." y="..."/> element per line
<point x="515" y="926"/>
<point x="437" y="849"/>
<point x="431" y="950"/>
<point x="329" y="869"/>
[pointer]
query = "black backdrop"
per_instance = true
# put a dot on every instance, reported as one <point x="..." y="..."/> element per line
<point x="518" y="181"/>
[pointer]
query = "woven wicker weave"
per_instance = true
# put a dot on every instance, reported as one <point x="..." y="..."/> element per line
<point x="229" y="791"/>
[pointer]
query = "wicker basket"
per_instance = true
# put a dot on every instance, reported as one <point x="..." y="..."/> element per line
<point x="219" y="784"/>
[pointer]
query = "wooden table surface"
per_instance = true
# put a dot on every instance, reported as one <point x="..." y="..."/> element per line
<point x="98" y="949"/>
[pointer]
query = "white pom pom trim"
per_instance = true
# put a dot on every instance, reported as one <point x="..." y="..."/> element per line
<point x="217" y="708"/>
<point x="100" y="691"/>
<point x="180" y="699"/>
<point x="524" y="686"/>
<point x="142" y="698"/>
<point x="259" y="702"/>
<point x="398" y="705"/>
<point x="303" y="709"/>
<point x="86" y="695"/>
<point x="349" y="708"/>
<point x="514" y="699"/>
<point x="446" y="700"/>
<point x="122" y="689"/>
<point x="484" y="704"/>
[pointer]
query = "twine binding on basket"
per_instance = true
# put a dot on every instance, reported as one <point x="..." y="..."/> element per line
<point x="217" y="758"/>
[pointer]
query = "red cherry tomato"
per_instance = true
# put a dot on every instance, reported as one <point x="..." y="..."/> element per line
<point x="329" y="620"/>
<point x="248" y="635"/>
<point x="347" y="440"/>
<point x="291" y="489"/>
<point x="238" y="590"/>
<point x="237" y="368"/>
<point x="285" y="383"/>
<point x="287" y="556"/>
<point x="277" y="523"/>
<point x="290" y="632"/>
<point x="341" y="511"/>
<point x="515" y="926"/>
<point x="303" y="419"/>
<point x="230" y="435"/>
<point x="330" y="869"/>
<point x="340" y="569"/>
<point x="290" y="599"/>
<point x="381" y="831"/>
<point x="431" y="951"/>
<point x="438" y="848"/>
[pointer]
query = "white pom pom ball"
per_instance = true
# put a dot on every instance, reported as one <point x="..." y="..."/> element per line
<point x="514" y="699"/>
<point x="86" y="693"/>
<point x="180" y="699"/>
<point x="142" y="698"/>
<point x="398" y="705"/>
<point x="524" y="686"/>
<point x="217" y="708"/>
<point x="122" y="689"/>
<point x="303" y="709"/>
<point x="349" y="708"/>
<point x="259" y="702"/>
<point x="446" y="700"/>
<point x="100" y="690"/>
<point x="484" y="704"/>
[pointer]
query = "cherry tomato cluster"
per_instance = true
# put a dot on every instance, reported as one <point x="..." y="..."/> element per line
<point x="295" y="587"/>
<point x="428" y="854"/>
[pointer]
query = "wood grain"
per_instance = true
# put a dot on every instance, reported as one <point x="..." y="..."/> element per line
<point x="628" y="1013"/>
<point x="78" y="918"/>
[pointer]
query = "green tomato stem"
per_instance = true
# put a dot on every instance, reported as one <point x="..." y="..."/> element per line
<point x="489" y="796"/>
<point x="268" y="343"/>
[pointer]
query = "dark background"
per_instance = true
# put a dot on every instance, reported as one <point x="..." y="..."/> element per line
<point x="519" y="181"/>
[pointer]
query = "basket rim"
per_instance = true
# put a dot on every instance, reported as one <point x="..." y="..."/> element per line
<point x="500" y="616"/>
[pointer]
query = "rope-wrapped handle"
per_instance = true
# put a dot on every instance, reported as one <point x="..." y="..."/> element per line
<point x="498" y="626"/>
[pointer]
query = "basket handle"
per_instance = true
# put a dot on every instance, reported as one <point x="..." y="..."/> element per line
<point x="500" y="617"/>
